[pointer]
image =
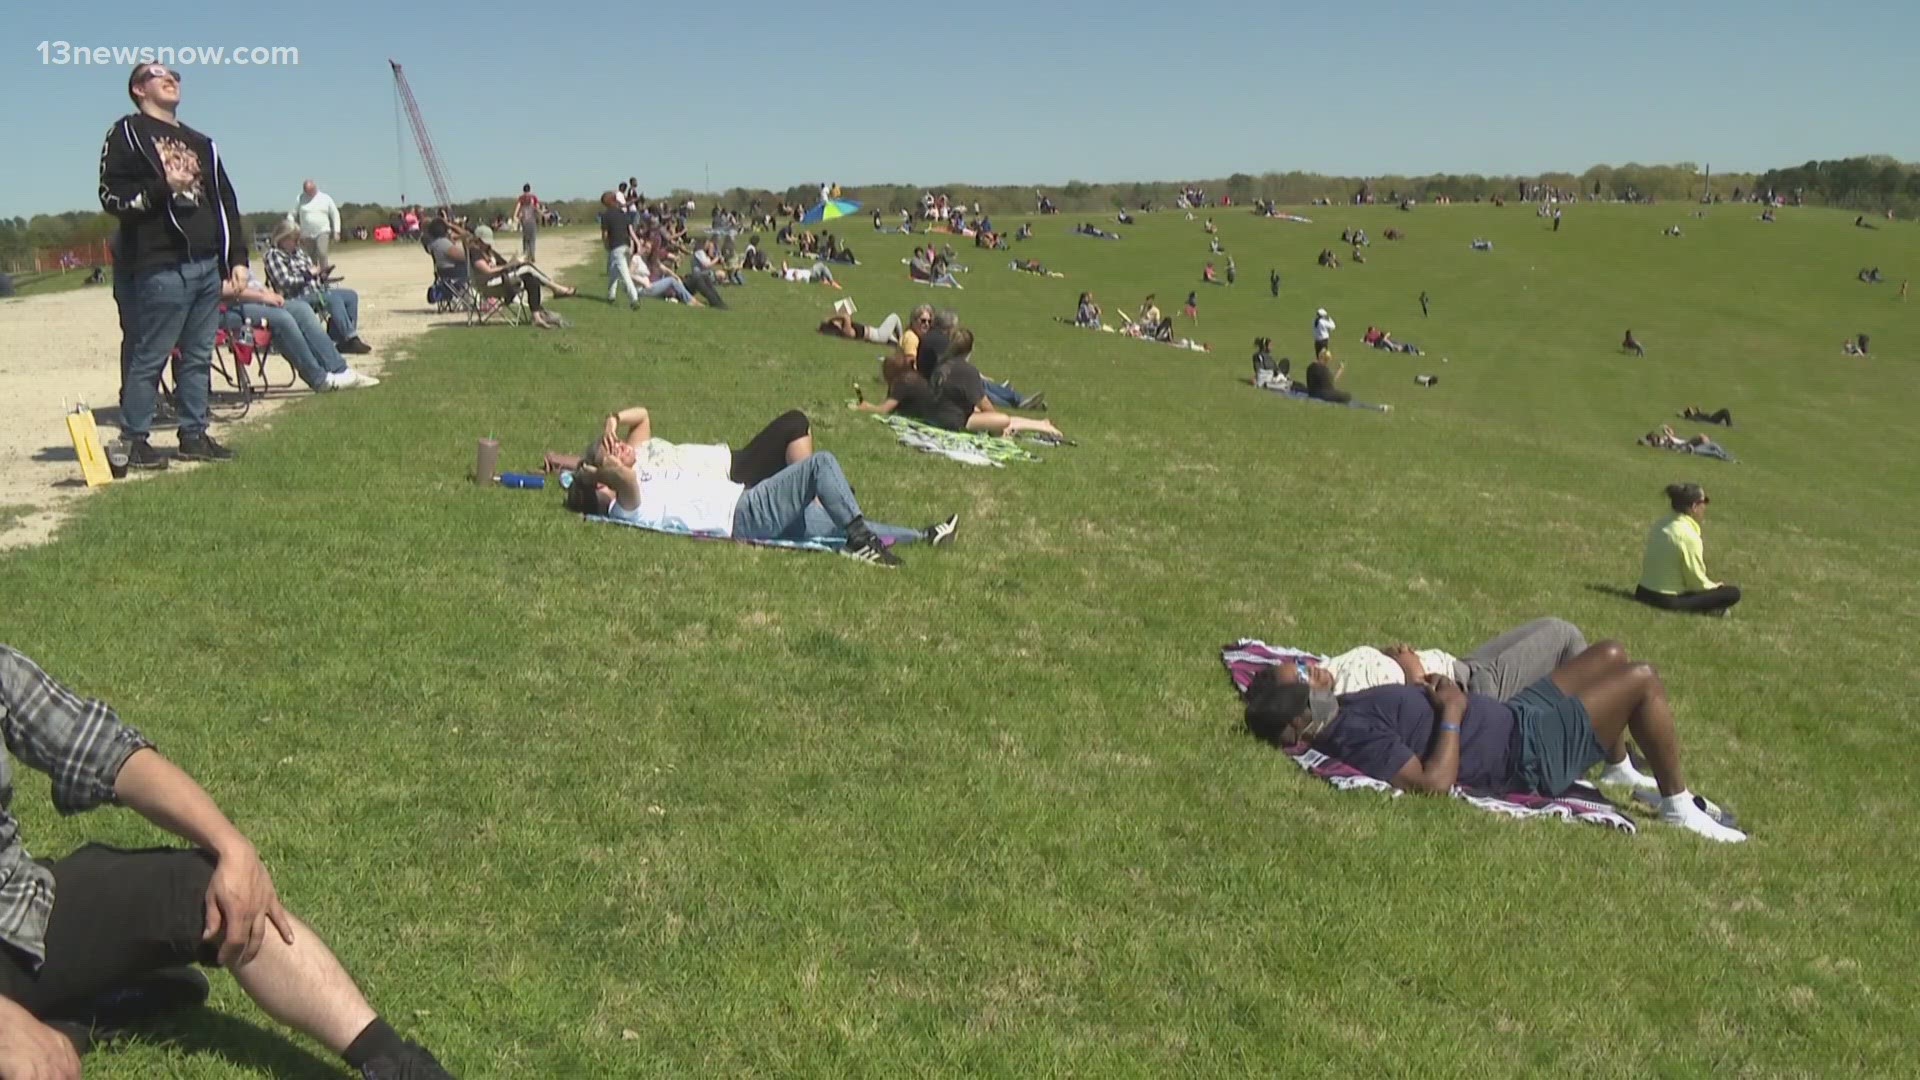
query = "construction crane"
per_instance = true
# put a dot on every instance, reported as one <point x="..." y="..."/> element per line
<point x="436" y="173"/>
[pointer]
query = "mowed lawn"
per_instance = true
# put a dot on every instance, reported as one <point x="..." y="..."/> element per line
<point x="577" y="801"/>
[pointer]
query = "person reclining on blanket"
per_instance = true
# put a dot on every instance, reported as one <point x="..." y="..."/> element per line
<point x="106" y="931"/>
<point x="818" y="272"/>
<point x="784" y="441"/>
<point x="1430" y="737"/>
<point x="954" y="404"/>
<point x="1499" y="669"/>
<point x="808" y="499"/>
<point x="841" y="324"/>
<point x="1665" y="438"/>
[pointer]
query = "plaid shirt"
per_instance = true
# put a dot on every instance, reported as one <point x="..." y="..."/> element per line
<point x="81" y="744"/>
<point x="290" y="273"/>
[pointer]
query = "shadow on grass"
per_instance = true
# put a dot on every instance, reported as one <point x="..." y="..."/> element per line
<point x="205" y="1031"/>
<point x="1614" y="591"/>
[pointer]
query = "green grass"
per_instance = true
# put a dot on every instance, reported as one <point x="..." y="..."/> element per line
<point x="39" y="283"/>
<point x="543" y="784"/>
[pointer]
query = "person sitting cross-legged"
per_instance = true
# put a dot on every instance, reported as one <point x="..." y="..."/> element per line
<point x="1673" y="574"/>
<point x="1431" y="737"/>
<point x="91" y="934"/>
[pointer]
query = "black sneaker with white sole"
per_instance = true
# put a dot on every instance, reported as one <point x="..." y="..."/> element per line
<point x="941" y="533"/>
<point x="142" y="455"/>
<point x="871" y="550"/>
<point x="201" y="447"/>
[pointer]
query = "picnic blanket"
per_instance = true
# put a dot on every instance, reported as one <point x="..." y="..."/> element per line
<point x="1295" y="395"/>
<point x="816" y="543"/>
<point x="967" y="447"/>
<point x="1583" y="802"/>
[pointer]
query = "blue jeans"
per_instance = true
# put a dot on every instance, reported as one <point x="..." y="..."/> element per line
<point x="343" y="309"/>
<point x="178" y="306"/>
<point x="668" y="286"/>
<point x="806" y="499"/>
<point x="299" y="337"/>
<point x="1002" y="394"/>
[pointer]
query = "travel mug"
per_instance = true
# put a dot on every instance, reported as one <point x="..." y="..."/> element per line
<point x="485" y="457"/>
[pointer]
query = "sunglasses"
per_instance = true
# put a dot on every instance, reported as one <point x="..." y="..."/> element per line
<point x="158" y="72"/>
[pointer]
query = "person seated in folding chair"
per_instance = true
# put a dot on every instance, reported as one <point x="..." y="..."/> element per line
<point x="291" y="273"/>
<point x="298" y="334"/>
<point x="499" y="278"/>
<point x="103" y="938"/>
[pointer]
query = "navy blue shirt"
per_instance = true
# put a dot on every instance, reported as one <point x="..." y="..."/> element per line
<point x="1378" y="731"/>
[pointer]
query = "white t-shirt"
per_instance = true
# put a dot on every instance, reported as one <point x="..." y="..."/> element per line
<point x="1322" y="328"/>
<point x="657" y="458"/>
<point x="682" y="499"/>
<point x="1367" y="667"/>
<point x="795" y="273"/>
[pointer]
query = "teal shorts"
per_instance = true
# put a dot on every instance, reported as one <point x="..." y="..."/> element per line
<point x="1556" y="743"/>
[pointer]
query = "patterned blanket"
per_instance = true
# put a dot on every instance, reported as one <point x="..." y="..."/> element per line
<point x="1584" y="802"/>
<point x="969" y="447"/>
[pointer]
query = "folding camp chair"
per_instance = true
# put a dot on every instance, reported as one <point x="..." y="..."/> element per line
<point x="501" y="303"/>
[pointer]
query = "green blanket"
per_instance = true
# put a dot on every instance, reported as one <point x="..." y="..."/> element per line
<point x="970" y="447"/>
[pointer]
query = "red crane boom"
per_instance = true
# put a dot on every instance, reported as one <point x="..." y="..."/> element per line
<point x="436" y="173"/>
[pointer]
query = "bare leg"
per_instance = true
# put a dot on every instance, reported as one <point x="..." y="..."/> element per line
<point x="1599" y="663"/>
<point x="304" y="987"/>
<point x="1632" y="698"/>
<point x="800" y="449"/>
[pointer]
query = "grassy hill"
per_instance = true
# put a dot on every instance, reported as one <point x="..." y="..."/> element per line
<point x="581" y="801"/>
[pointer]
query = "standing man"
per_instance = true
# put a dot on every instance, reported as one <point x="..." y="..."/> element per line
<point x="616" y="228"/>
<point x="180" y="235"/>
<point x="1424" y="298"/>
<point x="319" y="221"/>
<point x="526" y="211"/>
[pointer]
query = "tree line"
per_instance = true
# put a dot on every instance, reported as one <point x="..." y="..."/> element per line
<point x="1875" y="183"/>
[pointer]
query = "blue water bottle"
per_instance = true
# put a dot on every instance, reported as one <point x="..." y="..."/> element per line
<point x="522" y="480"/>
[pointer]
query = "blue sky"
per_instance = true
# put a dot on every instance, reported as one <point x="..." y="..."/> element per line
<point x="572" y="96"/>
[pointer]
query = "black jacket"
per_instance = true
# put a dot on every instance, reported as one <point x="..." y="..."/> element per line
<point x="133" y="188"/>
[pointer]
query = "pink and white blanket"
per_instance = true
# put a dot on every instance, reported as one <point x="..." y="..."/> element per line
<point x="1583" y="802"/>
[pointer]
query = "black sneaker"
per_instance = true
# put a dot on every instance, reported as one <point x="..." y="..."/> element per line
<point x="1035" y="402"/>
<point x="142" y="455"/>
<point x="941" y="533"/>
<point x="411" y="1063"/>
<point x="201" y="447"/>
<point x="357" y="347"/>
<point x="871" y="551"/>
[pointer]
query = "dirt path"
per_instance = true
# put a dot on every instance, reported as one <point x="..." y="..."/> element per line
<point x="63" y="348"/>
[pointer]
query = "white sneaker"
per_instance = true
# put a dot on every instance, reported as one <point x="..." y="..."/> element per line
<point x="362" y="379"/>
<point x="1625" y="775"/>
<point x="1693" y="819"/>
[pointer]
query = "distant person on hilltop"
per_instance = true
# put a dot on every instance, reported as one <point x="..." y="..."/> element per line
<point x="1423" y="303"/>
<point x="1273" y="283"/>
<point x="1632" y="345"/>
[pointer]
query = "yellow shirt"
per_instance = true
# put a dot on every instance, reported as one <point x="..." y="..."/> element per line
<point x="909" y="343"/>
<point x="1676" y="559"/>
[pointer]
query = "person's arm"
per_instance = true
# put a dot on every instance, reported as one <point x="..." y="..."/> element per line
<point x="30" y="1050"/>
<point x="1409" y="663"/>
<point x="1436" y="772"/>
<point x="333" y="217"/>
<point x="1693" y="563"/>
<point x="636" y="419"/>
<point x="129" y="189"/>
<point x="241" y="901"/>
<point x="624" y="482"/>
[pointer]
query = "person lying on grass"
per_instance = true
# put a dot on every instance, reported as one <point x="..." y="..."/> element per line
<point x="956" y="404"/>
<point x="1665" y="438"/>
<point x="1718" y="416"/>
<point x="818" y="272"/>
<point x="809" y="499"/>
<point x="1033" y="266"/>
<point x="841" y="324"/>
<point x="1431" y="737"/>
<point x="1499" y="669"/>
<point x="787" y="439"/>
<point x="105" y="936"/>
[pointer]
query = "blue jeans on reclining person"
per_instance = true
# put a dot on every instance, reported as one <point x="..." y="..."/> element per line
<point x="343" y="313"/>
<point x="299" y="337"/>
<point x="1002" y="394"/>
<point x="173" y="306"/>
<point x="809" y="498"/>
<point x="668" y="286"/>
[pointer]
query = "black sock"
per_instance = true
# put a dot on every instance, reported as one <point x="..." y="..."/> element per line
<point x="858" y="535"/>
<point x="375" y="1040"/>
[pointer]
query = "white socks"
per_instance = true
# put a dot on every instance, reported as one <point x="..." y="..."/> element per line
<point x="1623" y="773"/>
<point x="1679" y="809"/>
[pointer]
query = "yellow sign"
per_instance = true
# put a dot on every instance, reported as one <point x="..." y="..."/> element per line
<point x="86" y="444"/>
